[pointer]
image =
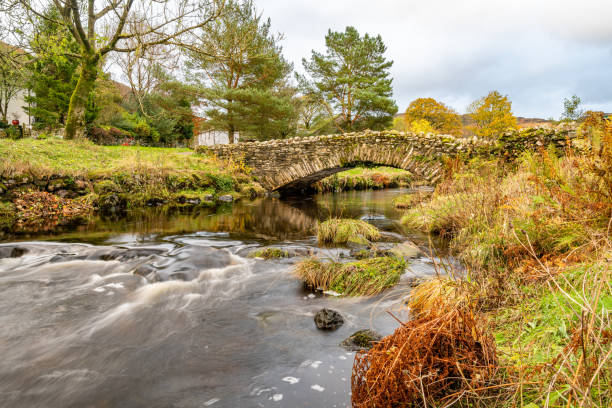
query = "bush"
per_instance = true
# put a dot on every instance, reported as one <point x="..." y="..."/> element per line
<point x="342" y="231"/>
<point x="107" y="137"/>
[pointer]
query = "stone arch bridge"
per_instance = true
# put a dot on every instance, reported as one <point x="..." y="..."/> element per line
<point x="294" y="164"/>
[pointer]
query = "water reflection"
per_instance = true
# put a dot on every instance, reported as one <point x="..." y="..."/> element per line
<point x="267" y="219"/>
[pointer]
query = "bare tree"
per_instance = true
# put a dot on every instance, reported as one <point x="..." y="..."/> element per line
<point x="143" y="68"/>
<point x="104" y="26"/>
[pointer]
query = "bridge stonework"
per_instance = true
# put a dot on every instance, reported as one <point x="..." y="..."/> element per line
<point x="296" y="163"/>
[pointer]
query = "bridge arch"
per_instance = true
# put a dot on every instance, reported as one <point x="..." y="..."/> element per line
<point x="294" y="164"/>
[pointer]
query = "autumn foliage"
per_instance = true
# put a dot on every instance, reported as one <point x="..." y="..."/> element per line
<point x="42" y="210"/>
<point x="425" y="112"/>
<point x="492" y="115"/>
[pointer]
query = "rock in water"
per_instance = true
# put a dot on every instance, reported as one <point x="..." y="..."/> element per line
<point x="327" y="319"/>
<point x="226" y="198"/>
<point x="406" y="250"/>
<point x="361" y="340"/>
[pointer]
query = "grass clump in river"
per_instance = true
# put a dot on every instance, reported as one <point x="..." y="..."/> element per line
<point x="343" y="230"/>
<point x="360" y="278"/>
<point x="269" y="253"/>
<point x="406" y="201"/>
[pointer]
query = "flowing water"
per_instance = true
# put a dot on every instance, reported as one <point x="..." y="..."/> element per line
<point x="166" y="310"/>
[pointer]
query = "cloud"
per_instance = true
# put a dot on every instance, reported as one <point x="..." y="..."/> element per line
<point x="536" y="51"/>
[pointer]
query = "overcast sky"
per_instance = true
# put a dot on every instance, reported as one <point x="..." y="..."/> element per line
<point x="535" y="51"/>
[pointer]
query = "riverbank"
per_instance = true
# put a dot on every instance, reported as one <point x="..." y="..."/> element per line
<point x="534" y="236"/>
<point x="52" y="181"/>
<point x="364" y="178"/>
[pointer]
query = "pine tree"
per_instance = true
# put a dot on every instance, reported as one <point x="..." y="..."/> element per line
<point x="242" y="74"/>
<point x="352" y="80"/>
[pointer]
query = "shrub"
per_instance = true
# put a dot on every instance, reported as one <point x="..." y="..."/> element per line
<point x="360" y="278"/>
<point x="341" y="231"/>
<point x="222" y="183"/>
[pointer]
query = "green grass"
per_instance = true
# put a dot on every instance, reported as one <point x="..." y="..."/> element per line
<point x="360" y="278"/>
<point x="82" y="158"/>
<point x="269" y="253"/>
<point x="342" y="231"/>
<point x="554" y="327"/>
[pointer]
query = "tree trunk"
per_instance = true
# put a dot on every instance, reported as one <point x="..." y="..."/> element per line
<point x="230" y="135"/>
<point x="78" y="100"/>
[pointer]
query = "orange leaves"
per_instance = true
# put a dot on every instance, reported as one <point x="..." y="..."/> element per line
<point x="41" y="210"/>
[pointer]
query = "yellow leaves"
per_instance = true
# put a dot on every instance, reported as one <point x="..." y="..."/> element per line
<point x="492" y="115"/>
<point x="437" y="115"/>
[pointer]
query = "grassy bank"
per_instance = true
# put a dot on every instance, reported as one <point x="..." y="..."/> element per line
<point x="534" y="236"/>
<point x="114" y="178"/>
<point x="361" y="178"/>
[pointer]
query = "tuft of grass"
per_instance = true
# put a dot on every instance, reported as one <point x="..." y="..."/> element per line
<point x="360" y="278"/>
<point x="269" y="253"/>
<point x="342" y="231"/>
<point x="437" y="296"/>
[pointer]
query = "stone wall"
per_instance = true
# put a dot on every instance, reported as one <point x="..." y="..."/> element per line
<point x="294" y="164"/>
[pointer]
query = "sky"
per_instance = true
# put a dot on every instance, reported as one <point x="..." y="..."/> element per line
<point x="537" y="52"/>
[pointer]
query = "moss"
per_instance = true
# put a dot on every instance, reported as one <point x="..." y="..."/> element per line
<point x="342" y="231"/>
<point x="269" y="253"/>
<point x="106" y="187"/>
<point x="360" y="278"/>
<point x="8" y="214"/>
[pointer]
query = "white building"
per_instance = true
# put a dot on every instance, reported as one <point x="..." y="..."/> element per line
<point x="16" y="109"/>
<point x="213" y="137"/>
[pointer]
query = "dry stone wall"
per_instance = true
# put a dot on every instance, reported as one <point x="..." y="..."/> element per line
<point x="294" y="164"/>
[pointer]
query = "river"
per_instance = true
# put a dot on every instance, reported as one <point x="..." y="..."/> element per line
<point x="165" y="309"/>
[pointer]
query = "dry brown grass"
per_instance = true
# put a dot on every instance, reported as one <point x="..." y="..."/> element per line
<point x="434" y="360"/>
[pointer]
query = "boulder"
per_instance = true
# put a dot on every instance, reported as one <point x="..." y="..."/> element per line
<point x="156" y="202"/>
<point x="361" y="340"/>
<point x="112" y="204"/>
<point x="406" y="250"/>
<point x="12" y="252"/>
<point x="227" y="198"/>
<point x="193" y="201"/>
<point x="328" y="319"/>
